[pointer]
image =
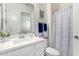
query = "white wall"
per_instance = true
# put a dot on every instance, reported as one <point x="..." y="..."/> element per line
<point x="38" y="7"/>
<point x="49" y="12"/>
<point x="14" y="14"/>
<point x="0" y="17"/>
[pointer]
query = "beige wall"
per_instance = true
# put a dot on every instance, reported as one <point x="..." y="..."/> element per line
<point x="65" y="5"/>
<point x="55" y="7"/>
<point x="59" y="6"/>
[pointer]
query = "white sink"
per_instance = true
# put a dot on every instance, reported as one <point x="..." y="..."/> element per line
<point x="14" y="41"/>
<point x="26" y="39"/>
<point x="21" y="40"/>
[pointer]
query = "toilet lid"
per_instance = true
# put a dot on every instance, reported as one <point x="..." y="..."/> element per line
<point x="52" y="51"/>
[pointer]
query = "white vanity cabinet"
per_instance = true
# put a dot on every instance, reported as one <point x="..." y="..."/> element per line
<point x="39" y="48"/>
<point x="35" y="49"/>
<point x="24" y="51"/>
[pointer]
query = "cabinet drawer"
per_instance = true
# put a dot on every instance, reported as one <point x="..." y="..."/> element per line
<point x="40" y="45"/>
<point x="21" y="52"/>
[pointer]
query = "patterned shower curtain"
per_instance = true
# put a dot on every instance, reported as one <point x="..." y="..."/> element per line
<point x="62" y="31"/>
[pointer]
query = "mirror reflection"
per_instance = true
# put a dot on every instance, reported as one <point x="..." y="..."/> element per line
<point x="25" y="23"/>
<point x="16" y="18"/>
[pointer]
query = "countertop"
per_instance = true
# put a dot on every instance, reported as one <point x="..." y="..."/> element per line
<point x="17" y="43"/>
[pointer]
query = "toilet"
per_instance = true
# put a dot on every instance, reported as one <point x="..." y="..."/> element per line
<point x="51" y="52"/>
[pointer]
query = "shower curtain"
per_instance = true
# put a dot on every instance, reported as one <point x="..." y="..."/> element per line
<point x="62" y="31"/>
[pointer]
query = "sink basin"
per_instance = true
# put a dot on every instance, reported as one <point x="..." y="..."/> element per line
<point x="14" y="41"/>
<point x="26" y="39"/>
<point x="21" y="40"/>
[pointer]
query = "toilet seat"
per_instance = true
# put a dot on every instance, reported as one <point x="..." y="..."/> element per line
<point x="51" y="51"/>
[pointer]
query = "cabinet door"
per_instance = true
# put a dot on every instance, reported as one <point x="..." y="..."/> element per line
<point x="40" y="52"/>
<point x="26" y="51"/>
<point x="40" y="47"/>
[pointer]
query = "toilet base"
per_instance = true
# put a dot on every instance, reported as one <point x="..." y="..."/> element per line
<point x="51" y="52"/>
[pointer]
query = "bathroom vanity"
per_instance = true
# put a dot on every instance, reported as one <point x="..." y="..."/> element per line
<point x="24" y="47"/>
<point x="23" y="23"/>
